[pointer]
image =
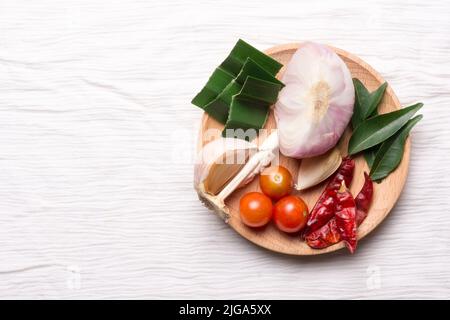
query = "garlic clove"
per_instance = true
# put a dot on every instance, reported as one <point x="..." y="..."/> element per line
<point x="215" y="180"/>
<point x="219" y="154"/>
<point x="224" y="169"/>
<point x="314" y="170"/>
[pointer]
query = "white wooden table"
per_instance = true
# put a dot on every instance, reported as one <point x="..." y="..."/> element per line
<point x="97" y="136"/>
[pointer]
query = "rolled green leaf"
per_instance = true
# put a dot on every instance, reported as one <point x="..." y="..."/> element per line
<point x="379" y="128"/>
<point x="250" y="108"/>
<point x="366" y="103"/>
<point x="390" y="153"/>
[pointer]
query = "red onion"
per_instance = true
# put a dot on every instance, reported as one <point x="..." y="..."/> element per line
<point x="316" y="105"/>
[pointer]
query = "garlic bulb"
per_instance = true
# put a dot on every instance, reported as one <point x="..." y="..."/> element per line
<point x="316" y="105"/>
<point x="226" y="164"/>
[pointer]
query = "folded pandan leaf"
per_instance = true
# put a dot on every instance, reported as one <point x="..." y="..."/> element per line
<point x="228" y="78"/>
<point x="218" y="108"/>
<point x="250" y="108"/>
<point x="215" y="85"/>
<point x="253" y="69"/>
<point x="239" y="54"/>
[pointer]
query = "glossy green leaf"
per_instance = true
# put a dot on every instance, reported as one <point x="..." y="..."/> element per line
<point x="370" y="154"/>
<point x="379" y="128"/>
<point x="250" y="108"/>
<point x="390" y="152"/>
<point x="366" y="103"/>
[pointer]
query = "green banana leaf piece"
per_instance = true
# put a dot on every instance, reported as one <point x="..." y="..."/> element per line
<point x="366" y="103"/>
<point x="250" y="108"/>
<point x="390" y="152"/>
<point x="379" y="128"/>
<point x="243" y="61"/>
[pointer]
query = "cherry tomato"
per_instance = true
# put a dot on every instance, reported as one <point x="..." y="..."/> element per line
<point x="290" y="214"/>
<point x="255" y="209"/>
<point x="276" y="182"/>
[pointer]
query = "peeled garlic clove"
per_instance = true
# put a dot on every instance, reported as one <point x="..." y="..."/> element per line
<point x="316" y="105"/>
<point x="315" y="170"/>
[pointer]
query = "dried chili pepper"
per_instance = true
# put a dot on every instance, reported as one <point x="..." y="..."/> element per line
<point x="325" y="207"/>
<point x="325" y="236"/>
<point x="329" y="233"/>
<point x="346" y="217"/>
<point x="363" y="199"/>
<point x="322" y="212"/>
<point x="344" y="173"/>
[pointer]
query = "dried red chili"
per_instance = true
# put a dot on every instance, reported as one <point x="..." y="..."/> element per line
<point x="329" y="234"/>
<point x="363" y="199"/>
<point x="326" y="236"/>
<point x="344" y="173"/>
<point x="325" y="207"/>
<point x="346" y="217"/>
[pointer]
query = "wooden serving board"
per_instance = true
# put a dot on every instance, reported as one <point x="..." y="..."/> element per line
<point x="385" y="193"/>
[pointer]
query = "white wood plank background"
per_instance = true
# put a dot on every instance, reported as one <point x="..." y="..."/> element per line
<point x="97" y="134"/>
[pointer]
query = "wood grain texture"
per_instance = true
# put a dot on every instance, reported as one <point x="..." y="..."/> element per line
<point x="97" y="136"/>
<point x="386" y="193"/>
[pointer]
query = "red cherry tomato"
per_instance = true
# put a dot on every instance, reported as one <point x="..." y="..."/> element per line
<point x="255" y="209"/>
<point x="276" y="182"/>
<point x="290" y="214"/>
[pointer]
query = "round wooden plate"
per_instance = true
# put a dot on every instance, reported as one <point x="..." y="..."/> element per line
<point x="385" y="193"/>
